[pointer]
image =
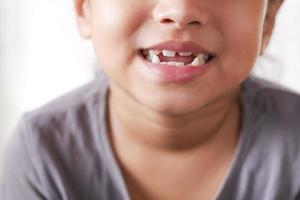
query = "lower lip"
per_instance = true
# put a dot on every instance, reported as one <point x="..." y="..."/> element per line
<point x="167" y="73"/>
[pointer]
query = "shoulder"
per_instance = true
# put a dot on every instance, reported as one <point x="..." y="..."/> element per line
<point x="66" y="126"/>
<point x="273" y="107"/>
<point x="57" y="142"/>
<point x="66" y="119"/>
<point x="67" y="122"/>
<point x="275" y="120"/>
<point x="275" y="115"/>
<point x="86" y="95"/>
<point x="67" y="111"/>
<point x="272" y="101"/>
<point x="272" y="127"/>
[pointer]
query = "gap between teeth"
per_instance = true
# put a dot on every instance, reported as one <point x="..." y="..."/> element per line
<point x="167" y="53"/>
<point x="198" y="61"/>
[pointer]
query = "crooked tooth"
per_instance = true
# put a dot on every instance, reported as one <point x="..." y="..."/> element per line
<point x="169" y="53"/>
<point x="201" y="55"/>
<point x="185" y="53"/>
<point x="199" y="60"/>
<point x="153" y="52"/>
<point x="155" y="59"/>
<point x="196" y="62"/>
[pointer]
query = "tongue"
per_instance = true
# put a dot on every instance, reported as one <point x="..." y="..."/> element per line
<point x="185" y="59"/>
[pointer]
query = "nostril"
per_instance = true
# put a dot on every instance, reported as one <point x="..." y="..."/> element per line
<point x="170" y="21"/>
<point x="194" y="23"/>
<point x="167" y="21"/>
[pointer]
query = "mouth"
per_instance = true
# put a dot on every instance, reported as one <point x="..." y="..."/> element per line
<point x="175" y="61"/>
<point x="176" y="58"/>
<point x="177" y="54"/>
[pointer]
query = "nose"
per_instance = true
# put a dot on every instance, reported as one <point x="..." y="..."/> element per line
<point x="180" y="13"/>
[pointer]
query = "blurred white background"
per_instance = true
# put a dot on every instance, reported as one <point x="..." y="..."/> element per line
<point x="42" y="55"/>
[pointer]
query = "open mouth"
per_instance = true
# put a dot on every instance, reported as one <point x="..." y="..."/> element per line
<point x="176" y="59"/>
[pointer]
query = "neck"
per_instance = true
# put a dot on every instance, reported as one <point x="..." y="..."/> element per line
<point x="134" y="124"/>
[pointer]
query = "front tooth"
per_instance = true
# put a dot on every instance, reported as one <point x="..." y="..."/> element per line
<point x="199" y="60"/>
<point x="169" y="53"/>
<point x="185" y="53"/>
<point x="155" y="59"/>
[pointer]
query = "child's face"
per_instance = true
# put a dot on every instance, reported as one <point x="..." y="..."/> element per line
<point x="231" y="30"/>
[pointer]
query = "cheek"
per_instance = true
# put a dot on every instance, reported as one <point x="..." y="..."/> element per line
<point x="116" y="20"/>
<point x="113" y="29"/>
<point x="242" y="31"/>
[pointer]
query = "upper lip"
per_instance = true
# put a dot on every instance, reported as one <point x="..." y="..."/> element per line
<point x="186" y="46"/>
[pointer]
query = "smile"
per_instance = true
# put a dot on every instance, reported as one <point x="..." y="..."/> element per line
<point x="176" y="59"/>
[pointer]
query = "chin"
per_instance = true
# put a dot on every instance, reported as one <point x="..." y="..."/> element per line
<point x="167" y="106"/>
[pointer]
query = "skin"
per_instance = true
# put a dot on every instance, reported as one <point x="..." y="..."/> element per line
<point x="185" y="132"/>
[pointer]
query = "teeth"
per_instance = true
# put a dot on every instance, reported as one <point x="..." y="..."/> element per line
<point x="176" y="64"/>
<point x="199" y="60"/>
<point x="206" y="57"/>
<point x="200" y="55"/>
<point x="153" y="52"/>
<point x="155" y="59"/>
<point x="179" y="64"/>
<point x="185" y="53"/>
<point x="152" y="56"/>
<point x="169" y="53"/>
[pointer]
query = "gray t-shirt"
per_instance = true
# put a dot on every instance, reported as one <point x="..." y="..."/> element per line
<point x="62" y="151"/>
